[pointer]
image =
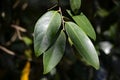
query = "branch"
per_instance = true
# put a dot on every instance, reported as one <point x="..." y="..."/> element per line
<point x="18" y="28"/>
<point x="7" y="50"/>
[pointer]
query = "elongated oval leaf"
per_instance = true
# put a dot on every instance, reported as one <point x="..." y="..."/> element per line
<point x="52" y="57"/>
<point x="85" y="24"/>
<point x="75" y="5"/>
<point x="45" y="31"/>
<point x="82" y="43"/>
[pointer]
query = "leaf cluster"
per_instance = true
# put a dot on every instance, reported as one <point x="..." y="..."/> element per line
<point x="52" y="32"/>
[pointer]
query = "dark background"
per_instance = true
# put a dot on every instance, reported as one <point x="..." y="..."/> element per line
<point x="17" y="20"/>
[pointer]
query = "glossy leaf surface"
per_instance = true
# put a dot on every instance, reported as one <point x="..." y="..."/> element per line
<point x="52" y="57"/>
<point x="82" y="43"/>
<point x="85" y="24"/>
<point x="45" y="31"/>
<point x="75" y="5"/>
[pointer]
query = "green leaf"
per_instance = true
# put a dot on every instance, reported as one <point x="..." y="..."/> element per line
<point x="69" y="12"/>
<point x="45" y="31"/>
<point x="75" y="5"/>
<point x="27" y="40"/>
<point x="82" y="43"/>
<point x="102" y="12"/>
<point x="85" y="24"/>
<point x="52" y="56"/>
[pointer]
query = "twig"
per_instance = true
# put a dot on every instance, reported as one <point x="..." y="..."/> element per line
<point x="24" y="6"/>
<point x="16" y="3"/>
<point x="13" y="53"/>
<point x="7" y="50"/>
<point x="53" y="7"/>
<point x="18" y="28"/>
<point x="63" y="22"/>
<point x="12" y="39"/>
<point x="19" y="35"/>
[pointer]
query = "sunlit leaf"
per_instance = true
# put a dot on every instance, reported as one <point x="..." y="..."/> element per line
<point x="82" y="43"/>
<point x="27" y="40"/>
<point x="75" y="5"/>
<point x="45" y="31"/>
<point x="52" y="57"/>
<point x="85" y="24"/>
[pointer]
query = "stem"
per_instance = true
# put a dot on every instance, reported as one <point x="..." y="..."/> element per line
<point x="7" y="50"/>
<point x="52" y="7"/>
<point x="63" y="22"/>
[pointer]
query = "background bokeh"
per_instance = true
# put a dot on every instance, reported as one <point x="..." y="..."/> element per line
<point x="17" y="59"/>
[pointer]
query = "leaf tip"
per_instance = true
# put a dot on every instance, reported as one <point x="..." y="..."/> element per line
<point x="97" y="65"/>
<point x="38" y="53"/>
<point x="94" y="37"/>
<point x="47" y="69"/>
<point x="45" y="72"/>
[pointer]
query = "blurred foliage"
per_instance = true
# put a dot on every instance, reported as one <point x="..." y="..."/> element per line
<point x="17" y="19"/>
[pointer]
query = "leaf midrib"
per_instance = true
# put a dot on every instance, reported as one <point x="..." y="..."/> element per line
<point x="81" y="44"/>
<point x="45" y="33"/>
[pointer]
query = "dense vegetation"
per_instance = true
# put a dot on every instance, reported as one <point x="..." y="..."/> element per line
<point x="17" y="57"/>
